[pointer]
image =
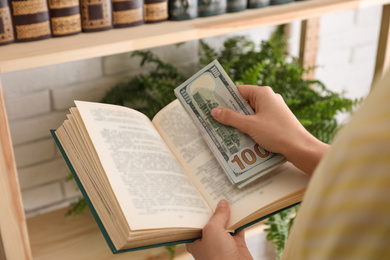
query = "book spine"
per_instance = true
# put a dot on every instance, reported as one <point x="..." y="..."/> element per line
<point x="211" y="8"/>
<point x="155" y="10"/>
<point x="236" y="5"/>
<point x="280" y="2"/>
<point x="258" y="3"/>
<point x="65" y="17"/>
<point x="6" y="28"/>
<point x="182" y="9"/>
<point x="30" y="20"/>
<point x="96" y="15"/>
<point x="127" y="13"/>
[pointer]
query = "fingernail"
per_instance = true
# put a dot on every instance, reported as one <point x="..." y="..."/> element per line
<point x="216" y="112"/>
<point x="222" y="203"/>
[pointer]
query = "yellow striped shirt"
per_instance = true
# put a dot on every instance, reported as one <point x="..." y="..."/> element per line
<point x="345" y="213"/>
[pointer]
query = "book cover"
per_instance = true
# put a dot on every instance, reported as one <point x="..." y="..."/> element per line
<point x="236" y="5"/>
<point x="96" y="15"/>
<point x="258" y="3"/>
<point x="211" y="8"/>
<point x="155" y="10"/>
<point x="127" y="13"/>
<point x="30" y="19"/>
<point x="183" y="9"/>
<point x="6" y="29"/>
<point x="280" y="2"/>
<point x="65" y="17"/>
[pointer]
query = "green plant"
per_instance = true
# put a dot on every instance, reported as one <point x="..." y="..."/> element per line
<point x="268" y="65"/>
<point x="171" y="250"/>
<point x="279" y="227"/>
<point x="310" y="101"/>
<point x="148" y="93"/>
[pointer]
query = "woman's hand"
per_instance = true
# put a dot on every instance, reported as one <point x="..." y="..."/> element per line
<point x="274" y="127"/>
<point x="216" y="242"/>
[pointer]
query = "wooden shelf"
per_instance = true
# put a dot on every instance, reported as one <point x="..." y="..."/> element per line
<point x="20" y="56"/>
<point x="54" y="236"/>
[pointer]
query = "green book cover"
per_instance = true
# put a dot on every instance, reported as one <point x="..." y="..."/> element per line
<point x="258" y="3"/>
<point x="210" y="8"/>
<point x="279" y="2"/>
<point x="236" y="5"/>
<point x="182" y="9"/>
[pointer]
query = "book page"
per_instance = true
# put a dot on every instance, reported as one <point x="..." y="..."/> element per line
<point x="150" y="185"/>
<point x="180" y="133"/>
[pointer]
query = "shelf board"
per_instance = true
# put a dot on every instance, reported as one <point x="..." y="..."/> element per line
<point x="20" y="56"/>
<point x="55" y="236"/>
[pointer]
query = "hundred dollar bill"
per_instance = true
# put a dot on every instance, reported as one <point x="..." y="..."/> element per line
<point x="242" y="159"/>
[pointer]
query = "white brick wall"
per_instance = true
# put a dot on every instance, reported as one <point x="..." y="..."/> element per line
<point x="94" y="90"/>
<point x="347" y="50"/>
<point x="185" y="53"/>
<point x="38" y="99"/>
<point x="43" y="173"/>
<point x="51" y="76"/>
<point x="34" y="152"/>
<point x="29" y="105"/>
<point x="42" y="196"/>
<point x="35" y="128"/>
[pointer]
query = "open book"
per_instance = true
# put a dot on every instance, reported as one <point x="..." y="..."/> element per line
<point x="152" y="183"/>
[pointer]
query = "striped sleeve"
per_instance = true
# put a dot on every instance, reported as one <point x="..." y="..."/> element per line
<point x="345" y="213"/>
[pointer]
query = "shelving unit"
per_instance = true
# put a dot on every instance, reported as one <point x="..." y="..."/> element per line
<point x="20" y="56"/>
<point x="51" y="234"/>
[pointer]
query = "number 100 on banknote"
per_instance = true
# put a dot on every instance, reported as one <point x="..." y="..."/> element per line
<point x="242" y="159"/>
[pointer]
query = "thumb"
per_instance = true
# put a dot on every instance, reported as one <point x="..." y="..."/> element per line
<point x="231" y="118"/>
<point x="221" y="215"/>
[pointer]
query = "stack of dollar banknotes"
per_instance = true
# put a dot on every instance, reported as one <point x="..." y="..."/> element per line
<point x="242" y="159"/>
